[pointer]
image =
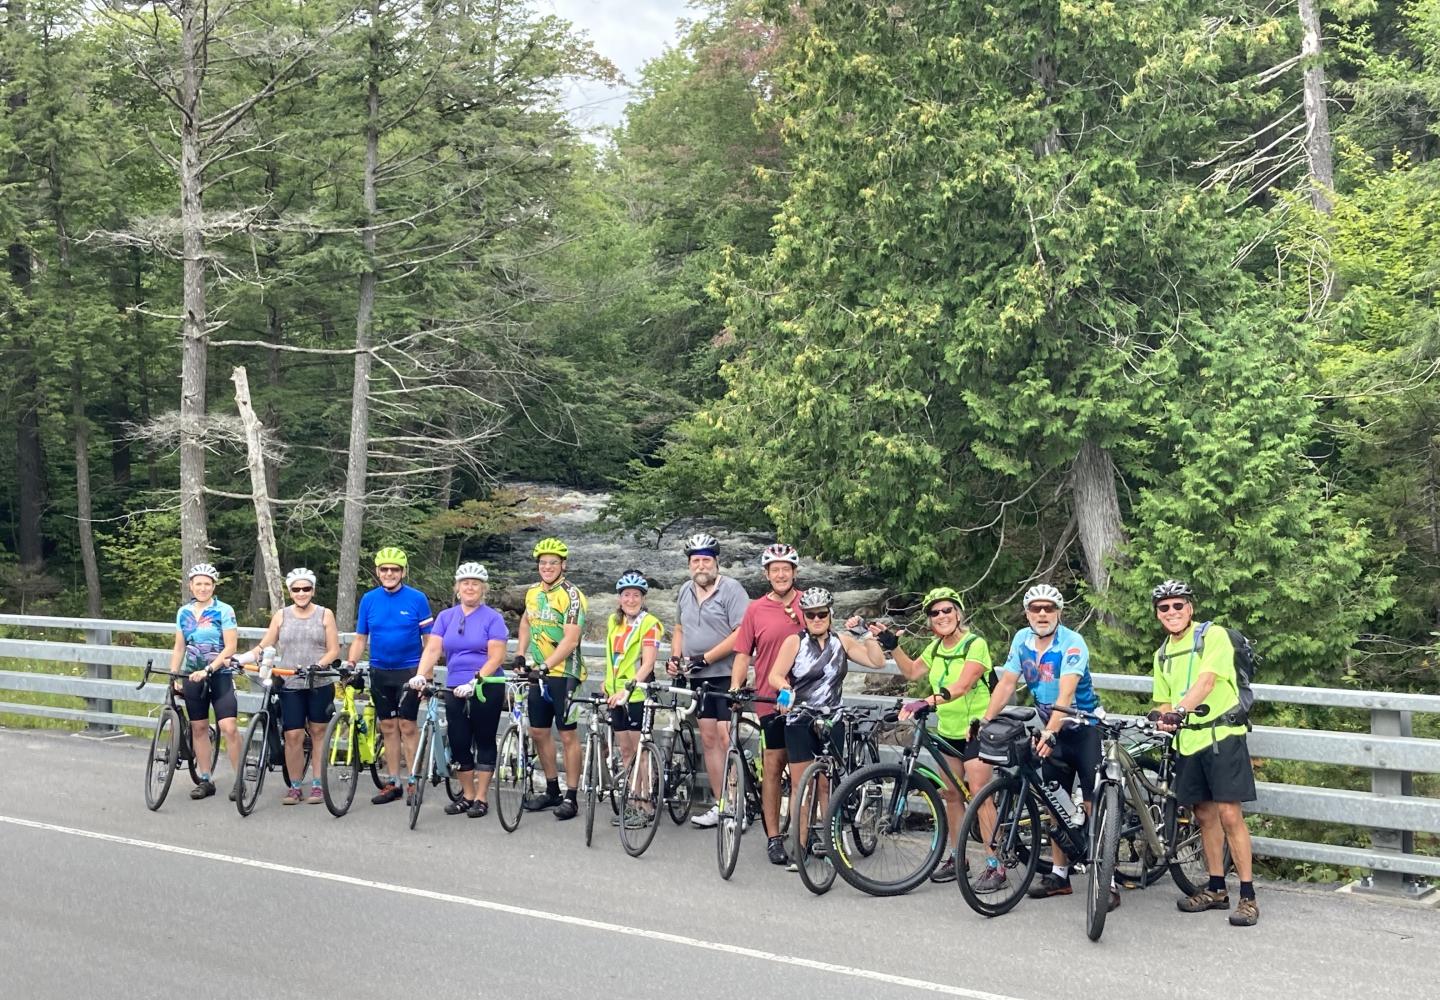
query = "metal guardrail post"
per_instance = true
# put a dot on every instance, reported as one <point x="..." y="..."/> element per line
<point x="99" y="637"/>
<point x="1388" y="722"/>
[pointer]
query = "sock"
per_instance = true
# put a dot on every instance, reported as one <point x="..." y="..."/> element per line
<point x="1217" y="883"/>
<point x="204" y="775"/>
<point x="1061" y="872"/>
<point x="1247" y="890"/>
<point x="569" y="793"/>
<point x="295" y="785"/>
<point x="314" y="782"/>
<point x="552" y="786"/>
<point x="386" y="780"/>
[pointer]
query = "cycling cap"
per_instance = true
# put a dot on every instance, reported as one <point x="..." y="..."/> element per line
<point x="299" y="573"/>
<point x="392" y="556"/>
<point x="203" y="569"/>
<point x="550" y="547"/>
<point x="815" y="597"/>
<point x="702" y="544"/>
<point x="942" y="594"/>
<point x="779" y="553"/>
<point x="1172" y="588"/>
<point x="631" y="579"/>
<point x="471" y="571"/>
<point x="1043" y="592"/>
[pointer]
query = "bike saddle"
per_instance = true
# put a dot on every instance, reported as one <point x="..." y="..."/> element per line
<point x="1020" y="713"/>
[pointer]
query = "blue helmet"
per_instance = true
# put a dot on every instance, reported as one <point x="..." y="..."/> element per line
<point x="632" y="579"/>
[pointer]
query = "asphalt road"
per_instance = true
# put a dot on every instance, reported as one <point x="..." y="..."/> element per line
<point x="101" y="898"/>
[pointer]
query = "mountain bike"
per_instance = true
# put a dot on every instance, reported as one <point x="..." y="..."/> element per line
<point x="352" y="741"/>
<point x="432" y="764"/>
<point x="811" y="841"/>
<point x="518" y="771"/>
<point x="643" y="785"/>
<point x="601" y="770"/>
<point x="263" y="742"/>
<point x="171" y="742"/>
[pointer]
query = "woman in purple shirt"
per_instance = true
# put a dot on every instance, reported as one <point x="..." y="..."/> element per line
<point x="471" y="636"/>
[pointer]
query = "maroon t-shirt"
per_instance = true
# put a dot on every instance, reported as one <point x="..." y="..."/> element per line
<point x="765" y="626"/>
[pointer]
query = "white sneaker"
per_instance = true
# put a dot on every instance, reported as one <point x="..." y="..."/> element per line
<point x="707" y="820"/>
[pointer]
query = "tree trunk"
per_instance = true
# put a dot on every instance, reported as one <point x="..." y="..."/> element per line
<point x="1319" y="150"/>
<point x="260" y="489"/>
<point x="355" y="469"/>
<point x="194" y="540"/>
<point x="84" y="514"/>
<point x="1097" y="512"/>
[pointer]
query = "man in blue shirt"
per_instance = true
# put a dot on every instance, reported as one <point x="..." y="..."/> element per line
<point x="394" y="620"/>
<point x="1055" y="665"/>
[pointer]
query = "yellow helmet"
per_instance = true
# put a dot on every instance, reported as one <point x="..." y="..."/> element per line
<point x="550" y="547"/>
<point x="392" y="556"/>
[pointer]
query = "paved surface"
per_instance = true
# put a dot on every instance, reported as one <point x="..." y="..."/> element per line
<point x="100" y="897"/>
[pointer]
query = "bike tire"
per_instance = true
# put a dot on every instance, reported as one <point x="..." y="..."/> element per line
<point x="254" y="762"/>
<point x="1135" y="864"/>
<point x="812" y="848"/>
<point x="731" y="825"/>
<point x="214" y="755"/>
<point x="1186" y="861"/>
<point x="509" y="781"/>
<point x="909" y="833"/>
<point x="164" y="758"/>
<point x="423" y="768"/>
<point x="641" y="789"/>
<point x="378" y="762"/>
<point x="680" y="778"/>
<point x="340" y="765"/>
<point x="1104" y="843"/>
<point x="591" y="785"/>
<point x="1017" y="839"/>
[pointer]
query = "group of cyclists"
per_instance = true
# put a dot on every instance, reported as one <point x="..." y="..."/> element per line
<point x="785" y="645"/>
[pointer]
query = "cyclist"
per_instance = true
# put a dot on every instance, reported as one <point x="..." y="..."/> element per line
<point x="393" y="619"/>
<point x="956" y="663"/>
<point x="1055" y="664"/>
<point x="1197" y="666"/>
<point x="632" y="638"/>
<point x="766" y="624"/>
<point x="471" y="636"/>
<point x="550" y="636"/>
<point x="205" y="637"/>
<point x="708" y="609"/>
<point x="304" y="634"/>
<point x="812" y="665"/>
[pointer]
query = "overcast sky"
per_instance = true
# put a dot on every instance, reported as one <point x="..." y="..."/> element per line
<point x="627" y="32"/>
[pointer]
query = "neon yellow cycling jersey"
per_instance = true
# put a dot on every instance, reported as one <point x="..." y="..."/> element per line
<point x="946" y="666"/>
<point x="623" y="645"/>
<point x="549" y="610"/>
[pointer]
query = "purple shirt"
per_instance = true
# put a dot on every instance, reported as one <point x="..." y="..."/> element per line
<point x="467" y="651"/>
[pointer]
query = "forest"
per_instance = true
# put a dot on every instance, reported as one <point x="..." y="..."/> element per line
<point x="964" y="292"/>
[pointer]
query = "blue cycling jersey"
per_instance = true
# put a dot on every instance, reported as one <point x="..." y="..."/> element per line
<point x="1066" y="655"/>
<point x="397" y="623"/>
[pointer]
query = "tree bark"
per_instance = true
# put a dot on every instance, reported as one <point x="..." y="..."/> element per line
<point x="259" y="488"/>
<point x="194" y="536"/>
<point x="1097" y="512"/>
<point x="1319" y="148"/>
<point x="84" y="513"/>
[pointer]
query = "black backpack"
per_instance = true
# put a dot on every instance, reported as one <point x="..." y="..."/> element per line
<point x="1246" y="660"/>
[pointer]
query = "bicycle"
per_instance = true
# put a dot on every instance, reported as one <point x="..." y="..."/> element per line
<point x="600" y="769"/>
<point x="263" y="739"/>
<point x="171" y="742"/>
<point x="810" y="847"/>
<point x="888" y="827"/>
<point x="643" y="785"/>
<point x="517" y="769"/>
<point x="740" y="799"/>
<point x="351" y="741"/>
<point x="431" y="764"/>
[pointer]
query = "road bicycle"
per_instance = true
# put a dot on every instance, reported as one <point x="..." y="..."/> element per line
<point x="740" y="783"/>
<point x="601" y="770"/>
<point x="171" y="742"/>
<point x="518" y="772"/>
<point x="888" y="829"/>
<point x="352" y="742"/>
<point x="644" y="785"/>
<point x="263" y="742"/>
<point x="811" y="828"/>
<point x="432" y="764"/>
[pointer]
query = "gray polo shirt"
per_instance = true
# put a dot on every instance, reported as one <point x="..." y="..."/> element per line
<point x="706" y="624"/>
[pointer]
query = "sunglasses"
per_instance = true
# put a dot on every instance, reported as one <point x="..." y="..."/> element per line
<point x="302" y="590"/>
<point x="937" y="612"/>
<point x="391" y="569"/>
<point x="1174" y="606"/>
<point x="817" y="615"/>
<point x="1041" y="609"/>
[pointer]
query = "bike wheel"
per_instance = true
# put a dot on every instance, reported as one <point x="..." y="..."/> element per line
<point x="1187" y="864"/>
<point x="732" y="814"/>
<point x="190" y="761"/>
<point x="377" y="764"/>
<point x="340" y="765"/>
<point x="812" y="848"/>
<point x="164" y="758"/>
<point x="1104" y="842"/>
<point x="680" y="778"/>
<point x="509" y="781"/>
<point x="906" y="834"/>
<point x="254" y="762"/>
<point x="420" y="772"/>
<point x="1014" y="844"/>
<point x="590" y="785"/>
<point x="640" y="793"/>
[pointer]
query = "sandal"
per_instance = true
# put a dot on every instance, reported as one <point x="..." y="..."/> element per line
<point x="478" y="808"/>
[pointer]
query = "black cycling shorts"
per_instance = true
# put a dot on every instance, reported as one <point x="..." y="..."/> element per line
<point x="201" y="696"/>
<point x="772" y="727"/>
<point x="711" y="706"/>
<point x="1077" y="751"/>
<point x="550" y="705"/>
<point x="628" y="717"/>
<point x="392" y="699"/>
<point x="473" y="724"/>
<point x="961" y="749"/>
<point x="802" y="745"/>
<point x="304" y="705"/>
<point x="1219" y="773"/>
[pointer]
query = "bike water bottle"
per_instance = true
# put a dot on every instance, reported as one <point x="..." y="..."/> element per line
<point x="1071" y="813"/>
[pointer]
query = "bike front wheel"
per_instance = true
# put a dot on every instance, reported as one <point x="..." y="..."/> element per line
<point x="680" y="778"/>
<point x="887" y="829"/>
<point x="340" y="765"/>
<point x="509" y="781"/>
<point x="590" y="782"/>
<point x="254" y="762"/>
<point x="420" y="773"/>
<point x="732" y="814"/>
<point x="640" y="794"/>
<point x="812" y="848"/>
<point x="1104" y="843"/>
<point x="164" y="758"/>
<point x="998" y="867"/>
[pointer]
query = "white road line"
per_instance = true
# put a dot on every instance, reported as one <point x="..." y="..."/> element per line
<point x="523" y="911"/>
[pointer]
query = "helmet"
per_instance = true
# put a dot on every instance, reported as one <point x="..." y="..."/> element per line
<point x="632" y="579"/>
<point x="550" y="547"/>
<point x="942" y="594"/>
<point x="299" y="573"/>
<point x="392" y="556"/>
<point x="702" y="544"/>
<point x="471" y="571"/>
<point x="815" y="597"/>
<point x="203" y="569"/>
<point x="779" y="552"/>
<point x="1043" y="592"/>
<point x="1172" y="588"/>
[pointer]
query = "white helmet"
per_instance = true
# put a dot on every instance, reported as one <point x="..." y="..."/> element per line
<point x="299" y="573"/>
<point x="1043" y="592"/>
<point x="779" y="552"/>
<point x="471" y="571"/>
<point x="203" y="569"/>
<point x="702" y="543"/>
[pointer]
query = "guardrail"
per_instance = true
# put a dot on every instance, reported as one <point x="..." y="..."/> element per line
<point x="1390" y="751"/>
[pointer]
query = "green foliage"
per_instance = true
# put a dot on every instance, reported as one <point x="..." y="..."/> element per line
<point x="144" y="549"/>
